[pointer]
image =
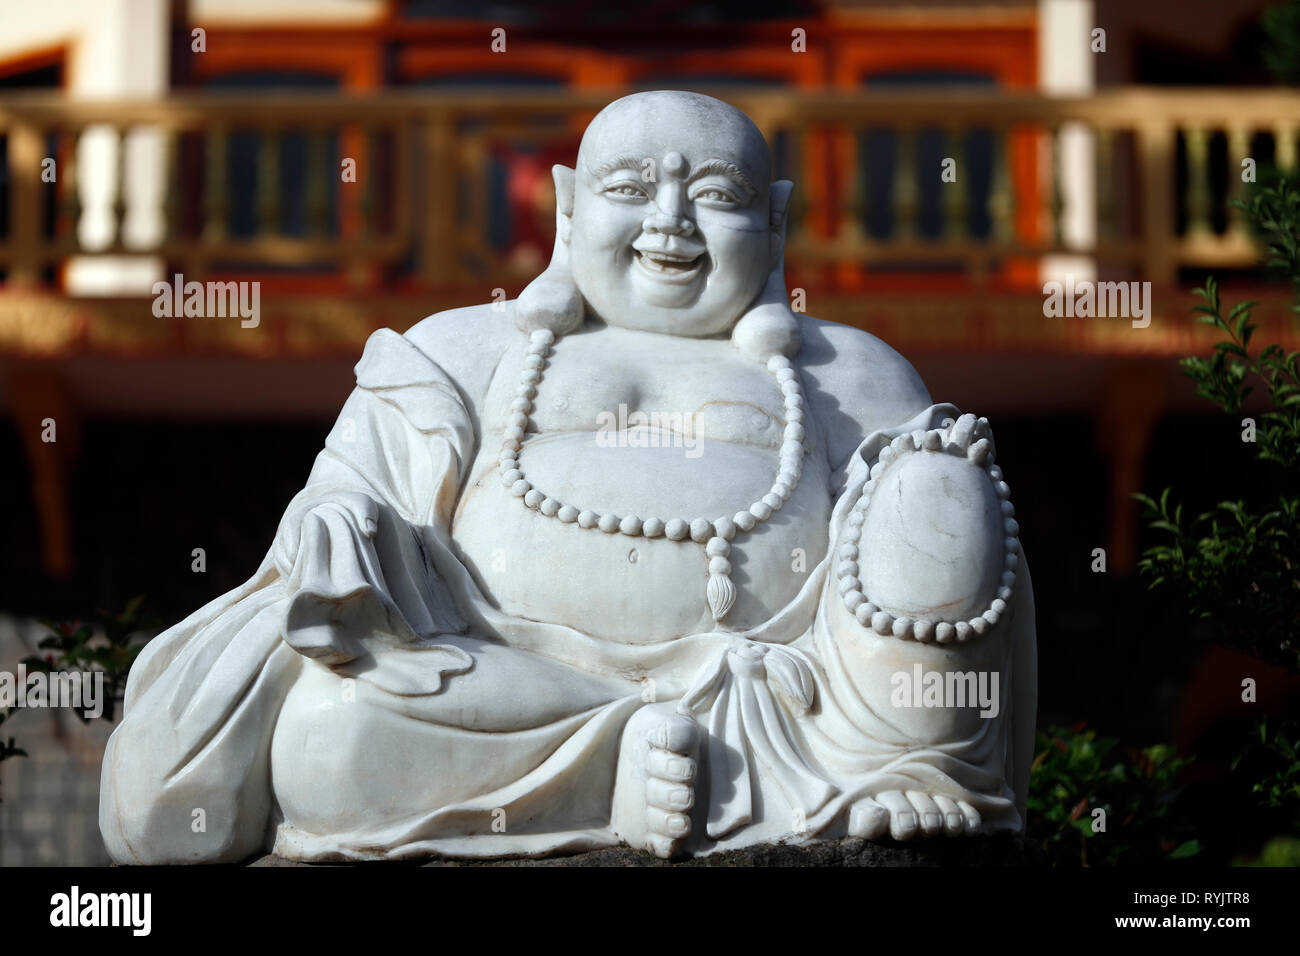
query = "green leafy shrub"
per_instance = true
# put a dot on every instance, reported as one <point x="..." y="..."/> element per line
<point x="1236" y="567"/>
<point x="109" y="643"/>
<point x="1075" y="773"/>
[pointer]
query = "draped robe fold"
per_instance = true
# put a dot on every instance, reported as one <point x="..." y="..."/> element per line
<point x="485" y="733"/>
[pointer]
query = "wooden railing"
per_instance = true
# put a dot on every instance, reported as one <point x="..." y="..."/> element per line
<point x="426" y="208"/>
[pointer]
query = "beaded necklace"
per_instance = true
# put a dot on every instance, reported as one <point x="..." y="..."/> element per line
<point x="715" y="534"/>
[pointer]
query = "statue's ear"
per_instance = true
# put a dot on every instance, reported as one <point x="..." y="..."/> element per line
<point x="564" y="180"/>
<point x="780" y="204"/>
<point x="552" y="301"/>
<point x="770" y="327"/>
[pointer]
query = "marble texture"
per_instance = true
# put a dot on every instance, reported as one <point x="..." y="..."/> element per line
<point x="643" y="557"/>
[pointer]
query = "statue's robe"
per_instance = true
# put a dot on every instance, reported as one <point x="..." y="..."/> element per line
<point x="334" y="707"/>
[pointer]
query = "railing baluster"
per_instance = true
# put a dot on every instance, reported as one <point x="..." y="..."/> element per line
<point x="800" y="199"/>
<point x="319" y="181"/>
<point x="1284" y="151"/>
<point x="1198" y="182"/>
<point x="69" y="195"/>
<point x="172" y="171"/>
<point x="955" y="194"/>
<point x="1238" y="149"/>
<point x="438" y="254"/>
<point x="906" y="193"/>
<point x="370" y="182"/>
<point x="1107" y="198"/>
<point x="214" y="186"/>
<point x="1056" y="201"/>
<point x="26" y="145"/>
<point x="477" y="229"/>
<point x="401" y="195"/>
<point x="268" y="181"/>
<point x="118" y="234"/>
<point x="1155" y="143"/>
<point x="856" y="159"/>
<point x="1001" y="200"/>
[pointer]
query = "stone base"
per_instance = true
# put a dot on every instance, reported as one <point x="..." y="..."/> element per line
<point x="999" y="850"/>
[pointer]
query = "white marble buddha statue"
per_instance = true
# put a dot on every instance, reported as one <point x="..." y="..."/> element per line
<point x="641" y="557"/>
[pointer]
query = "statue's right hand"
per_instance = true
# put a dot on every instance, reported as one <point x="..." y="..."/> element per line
<point x="338" y="594"/>
<point x="360" y="509"/>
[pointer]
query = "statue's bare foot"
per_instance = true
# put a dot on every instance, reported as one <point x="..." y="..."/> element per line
<point x="904" y="814"/>
<point x="656" y="786"/>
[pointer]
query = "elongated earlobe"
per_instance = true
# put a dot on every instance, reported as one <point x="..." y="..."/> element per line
<point x="552" y="301"/>
<point x="770" y="327"/>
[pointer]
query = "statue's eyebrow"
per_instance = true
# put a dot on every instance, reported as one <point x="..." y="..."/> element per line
<point x="720" y="167"/>
<point x="622" y="162"/>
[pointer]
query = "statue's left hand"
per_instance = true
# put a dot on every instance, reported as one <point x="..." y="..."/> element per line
<point x="931" y="547"/>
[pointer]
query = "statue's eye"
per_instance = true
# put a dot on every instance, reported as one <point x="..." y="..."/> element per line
<point x="626" y="190"/>
<point x="715" y="196"/>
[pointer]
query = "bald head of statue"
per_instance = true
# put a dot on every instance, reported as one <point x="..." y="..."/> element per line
<point x="670" y="217"/>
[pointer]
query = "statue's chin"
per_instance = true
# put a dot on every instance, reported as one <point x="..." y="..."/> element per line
<point x="650" y="313"/>
<point x="668" y="322"/>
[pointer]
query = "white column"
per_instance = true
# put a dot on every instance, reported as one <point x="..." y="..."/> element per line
<point x="120" y="52"/>
<point x="1066" y="67"/>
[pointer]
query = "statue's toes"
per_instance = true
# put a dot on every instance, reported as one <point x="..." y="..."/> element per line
<point x="668" y="796"/>
<point x="664" y="847"/>
<point x="868" y="819"/>
<point x="677" y="734"/>
<point x="954" y="823"/>
<point x="903" y="821"/>
<point x="669" y="792"/>
<point x="667" y="832"/>
<point x="971" y="816"/>
<point x="927" y="812"/>
<point x="669" y="765"/>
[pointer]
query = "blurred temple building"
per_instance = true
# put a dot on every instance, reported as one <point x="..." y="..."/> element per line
<point x="369" y="162"/>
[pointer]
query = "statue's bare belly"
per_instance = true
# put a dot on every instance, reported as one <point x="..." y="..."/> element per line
<point x="640" y="590"/>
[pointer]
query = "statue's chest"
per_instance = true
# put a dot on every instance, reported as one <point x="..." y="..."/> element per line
<point x="707" y="390"/>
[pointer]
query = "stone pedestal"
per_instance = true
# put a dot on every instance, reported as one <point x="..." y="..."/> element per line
<point x="1003" y="849"/>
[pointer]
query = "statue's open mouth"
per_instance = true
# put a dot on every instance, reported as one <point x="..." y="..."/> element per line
<point x="670" y="266"/>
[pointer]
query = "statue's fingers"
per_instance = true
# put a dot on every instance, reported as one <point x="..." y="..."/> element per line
<point x="903" y="821"/>
<point x="670" y="766"/>
<point x="668" y="796"/>
<point x="961" y="433"/>
<point x="972" y="817"/>
<point x="954" y="824"/>
<point x="927" y="811"/>
<point x="868" y="819"/>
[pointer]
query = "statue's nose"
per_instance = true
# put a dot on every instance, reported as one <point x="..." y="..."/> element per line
<point x="670" y="225"/>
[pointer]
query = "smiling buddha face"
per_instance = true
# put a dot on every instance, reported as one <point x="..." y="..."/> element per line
<point x="671" y="218"/>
